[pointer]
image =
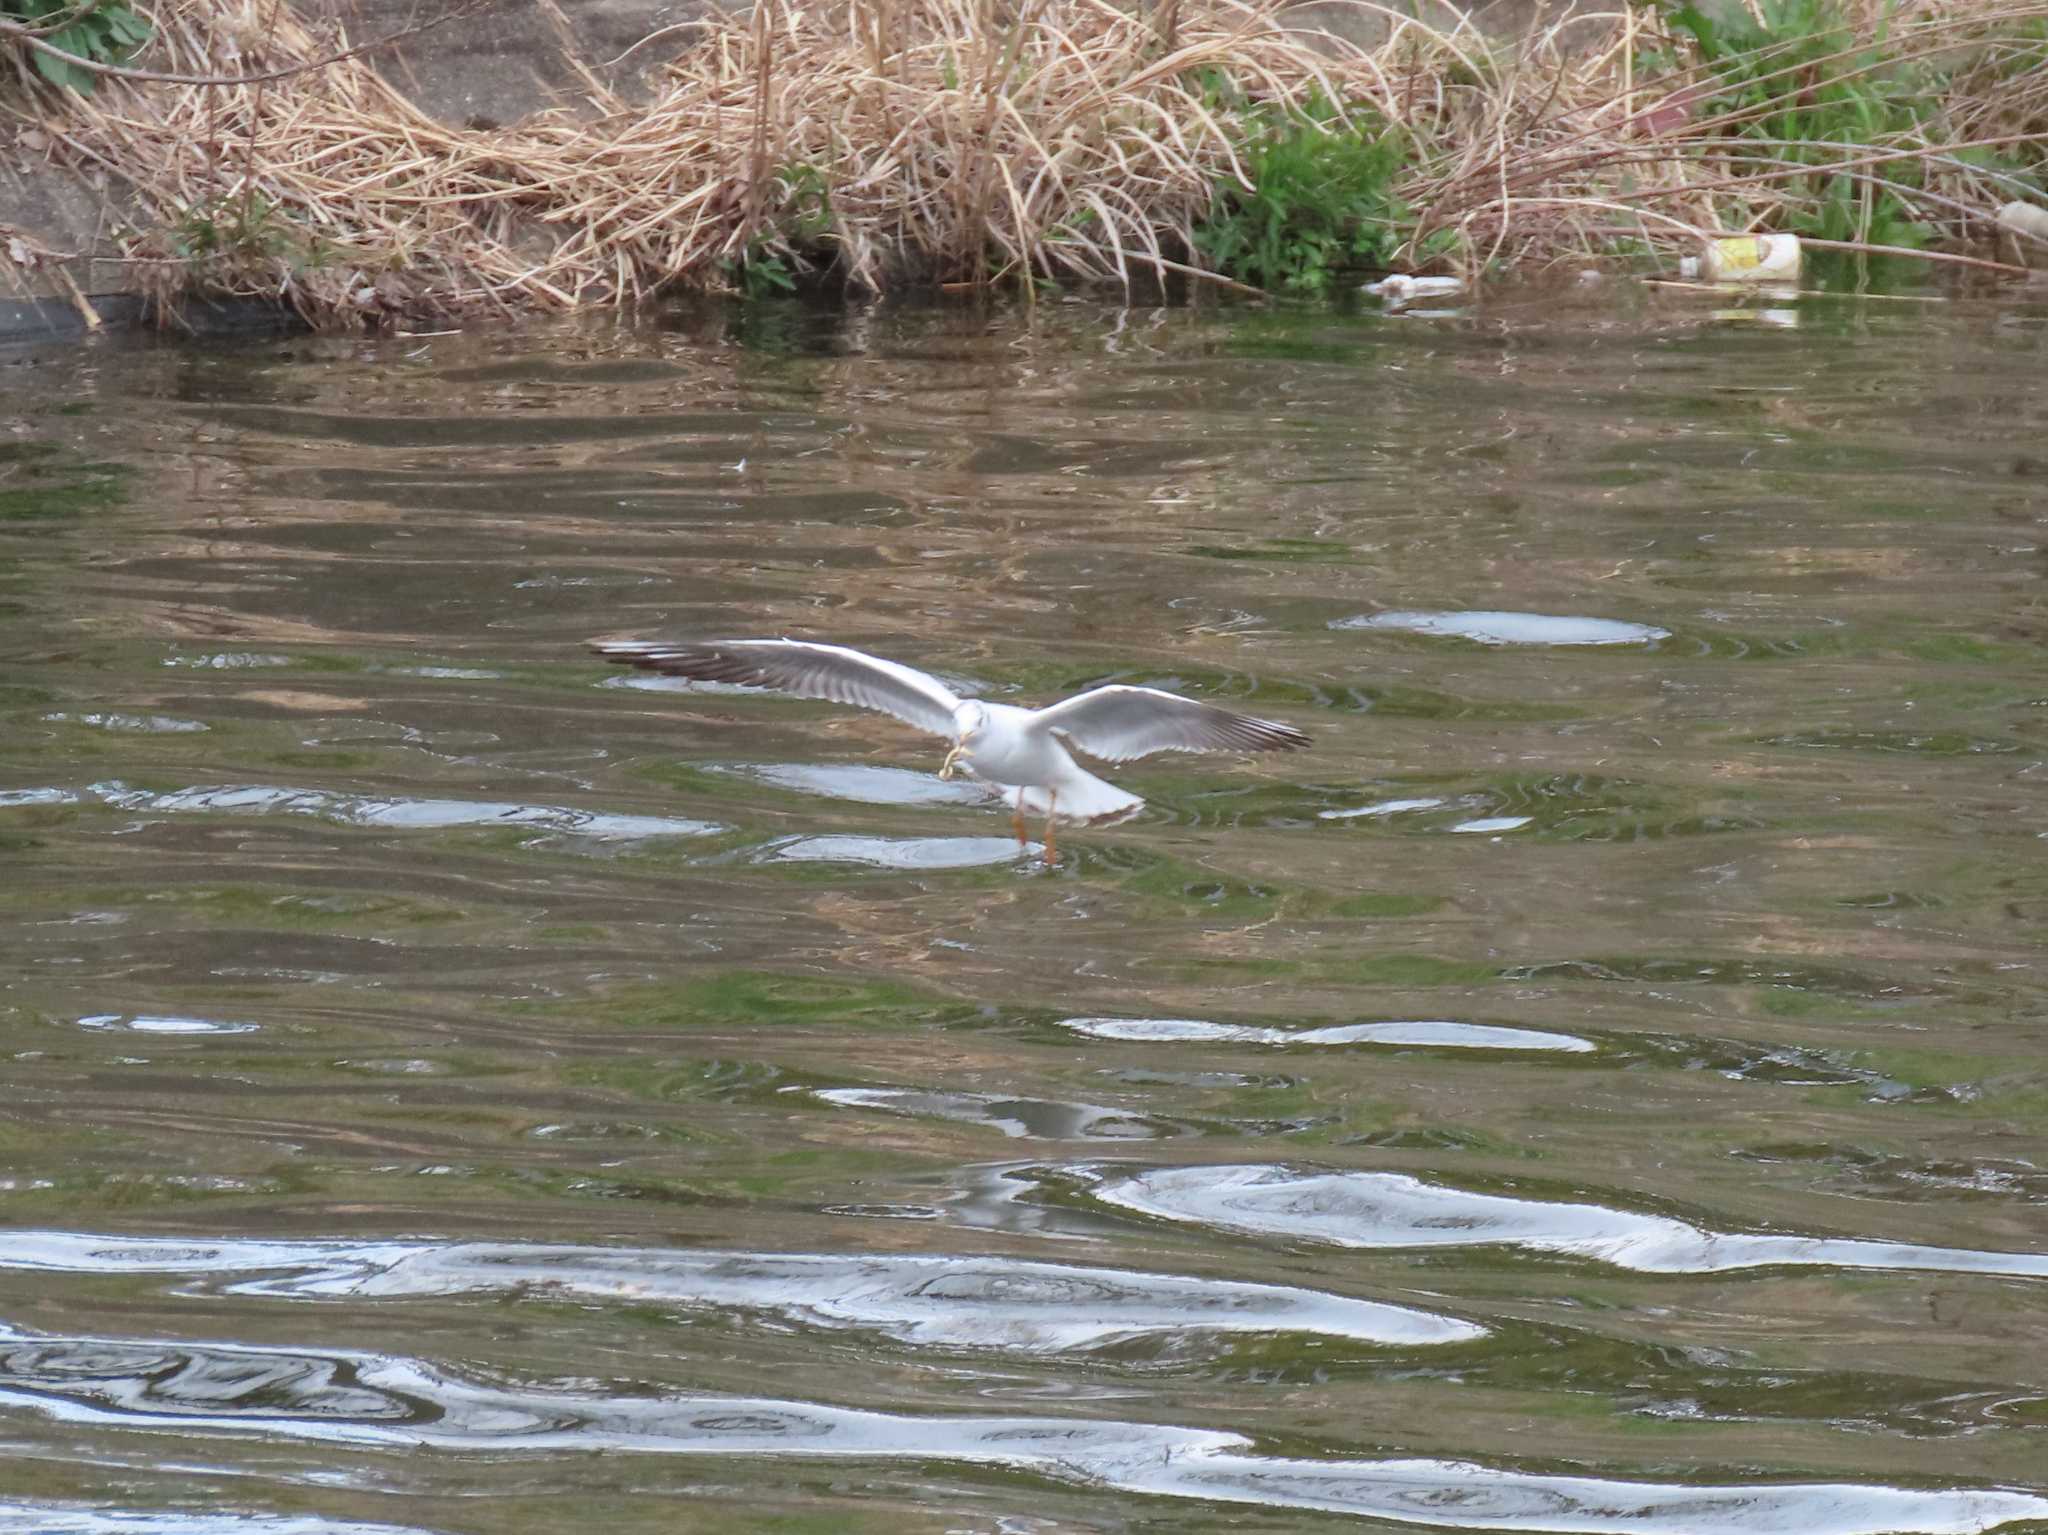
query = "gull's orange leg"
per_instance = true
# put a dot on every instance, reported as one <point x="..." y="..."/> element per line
<point x="1017" y="824"/>
<point x="1052" y="798"/>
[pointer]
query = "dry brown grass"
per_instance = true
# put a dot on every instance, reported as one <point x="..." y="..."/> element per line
<point x="1564" y="153"/>
<point x="967" y="140"/>
<point x="953" y="138"/>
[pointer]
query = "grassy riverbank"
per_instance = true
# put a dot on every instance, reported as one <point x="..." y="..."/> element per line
<point x="965" y="141"/>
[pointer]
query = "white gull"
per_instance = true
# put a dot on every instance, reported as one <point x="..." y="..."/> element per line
<point x="1023" y="752"/>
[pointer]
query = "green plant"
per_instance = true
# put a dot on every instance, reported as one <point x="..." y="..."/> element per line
<point x="1320" y="199"/>
<point x="806" y="211"/>
<point x="104" y="31"/>
<point x="761" y="273"/>
<point x="1797" y="86"/>
<point x="236" y="226"/>
<point x="243" y="236"/>
<point x="800" y="221"/>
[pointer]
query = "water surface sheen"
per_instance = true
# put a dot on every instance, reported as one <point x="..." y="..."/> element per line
<point x="1597" y="1089"/>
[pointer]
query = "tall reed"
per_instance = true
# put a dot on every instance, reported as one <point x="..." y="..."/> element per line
<point x="1002" y="141"/>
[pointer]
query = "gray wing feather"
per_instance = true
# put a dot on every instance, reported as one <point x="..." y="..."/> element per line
<point x="797" y="666"/>
<point x="1121" y="724"/>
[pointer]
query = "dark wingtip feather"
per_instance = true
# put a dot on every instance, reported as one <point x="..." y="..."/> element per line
<point x="653" y="656"/>
<point x="1259" y="735"/>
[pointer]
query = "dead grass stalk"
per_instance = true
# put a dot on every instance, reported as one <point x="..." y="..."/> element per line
<point x="981" y="140"/>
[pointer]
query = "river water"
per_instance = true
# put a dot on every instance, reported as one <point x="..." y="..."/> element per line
<point x="456" y="1086"/>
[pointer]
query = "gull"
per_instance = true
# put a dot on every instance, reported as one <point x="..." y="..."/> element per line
<point x="1023" y="752"/>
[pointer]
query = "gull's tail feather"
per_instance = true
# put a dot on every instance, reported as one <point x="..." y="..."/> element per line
<point x="1081" y="797"/>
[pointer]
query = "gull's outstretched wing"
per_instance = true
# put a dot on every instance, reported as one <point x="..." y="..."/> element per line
<point x="1121" y="724"/>
<point x="797" y="666"/>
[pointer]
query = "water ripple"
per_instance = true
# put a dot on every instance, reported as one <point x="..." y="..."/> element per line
<point x="907" y="853"/>
<point x="862" y="783"/>
<point x="138" y="724"/>
<point x="1380" y="808"/>
<point x="391" y="1402"/>
<point x="1393" y="1210"/>
<point x="1494" y="823"/>
<point x="143" y="1023"/>
<point x="13" y="798"/>
<point x="18" y="1517"/>
<point x="1019" y="1118"/>
<point x="941" y="1301"/>
<point x="405" y="814"/>
<point x="1493" y="628"/>
<point x="1432" y="1033"/>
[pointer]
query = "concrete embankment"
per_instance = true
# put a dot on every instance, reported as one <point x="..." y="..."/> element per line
<point x="59" y="216"/>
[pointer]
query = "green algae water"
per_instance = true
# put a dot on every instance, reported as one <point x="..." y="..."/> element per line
<point x="456" y="1086"/>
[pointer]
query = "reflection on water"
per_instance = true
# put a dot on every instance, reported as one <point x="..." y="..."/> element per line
<point x="385" y="1401"/>
<point x="1436" y="1033"/>
<point x="153" y="724"/>
<point x="25" y="1518"/>
<point x="226" y="660"/>
<point x="1394" y="1210"/>
<point x="930" y="1301"/>
<point x="404" y="814"/>
<point x="1596" y="1089"/>
<point x="899" y="852"/>
<point x="1383" y="808"/>
<point x="866" y="785"/>
<point x="1019" y="1118"/>
<point x="1512" y="628"/>
<point x="144" y="1024"/>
